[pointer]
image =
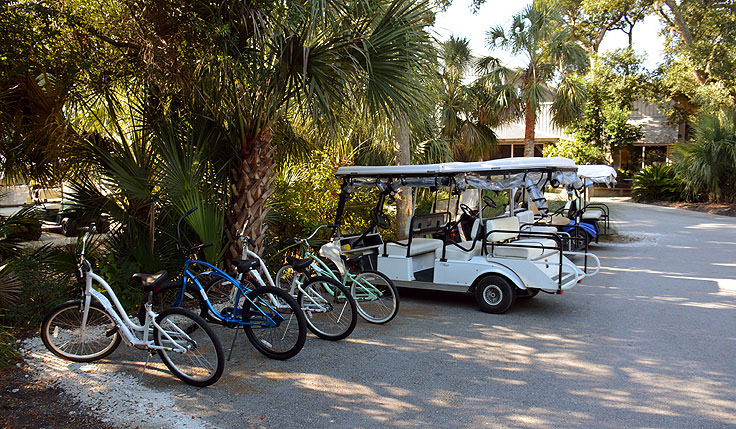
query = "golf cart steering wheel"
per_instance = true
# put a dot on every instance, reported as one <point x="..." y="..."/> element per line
<point x="467" y="210"/>
<point x="381" y="219"/>
<point x="489" y="202"/>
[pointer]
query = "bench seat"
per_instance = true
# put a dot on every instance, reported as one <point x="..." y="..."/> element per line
<point x="418" y="246"/>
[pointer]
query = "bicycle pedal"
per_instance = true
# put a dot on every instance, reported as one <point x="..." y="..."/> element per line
<point x="110" y="332"/>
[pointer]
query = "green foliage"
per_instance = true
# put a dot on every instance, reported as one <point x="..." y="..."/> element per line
<point x="614" y="82"/>
<point x="306" y="196"/>
<point x="581" y="153"/>
<point x="700" y="56"/>
<point x="707" y="163"/>
<point x="656" y="182"/>
<point x="46" y="278"/>
<point x="8" y="352"/>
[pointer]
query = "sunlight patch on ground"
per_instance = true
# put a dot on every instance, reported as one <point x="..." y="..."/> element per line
<point x="718" y="226"/>
<point x="116" y="397"/>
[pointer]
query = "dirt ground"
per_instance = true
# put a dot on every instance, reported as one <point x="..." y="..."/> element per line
<point x="712" y="208"/>
<point x="25" y="403"/>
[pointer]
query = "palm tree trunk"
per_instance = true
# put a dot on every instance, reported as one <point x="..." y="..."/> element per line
<point x="402" y="150"/>
<point x="251" y="186"/>
<point x="530" y="123"/>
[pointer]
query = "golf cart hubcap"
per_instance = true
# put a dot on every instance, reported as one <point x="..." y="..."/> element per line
<point x="493" y="294"/>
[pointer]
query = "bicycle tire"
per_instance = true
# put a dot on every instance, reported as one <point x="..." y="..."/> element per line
<point x="376" y="296"/>
<point x="284" y="277"/>
<point x="286" y="338"/>
<point x="329" y="308"/>
<point x="224" y="297"/>
<point x="204" y="361"/>
<point x="167" y="296"/>
<point x="63" y="322"/>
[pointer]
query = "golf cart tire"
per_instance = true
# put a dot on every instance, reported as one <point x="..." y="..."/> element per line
<point x="494" y="294"/>
<point x="69" y="227"/>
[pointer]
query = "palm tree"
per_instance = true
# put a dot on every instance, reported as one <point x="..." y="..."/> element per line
<point x="706" y="164"/>
<point x="312" y="58"/>
<point x="461" y="107"/>
<point x="551" y="54"/>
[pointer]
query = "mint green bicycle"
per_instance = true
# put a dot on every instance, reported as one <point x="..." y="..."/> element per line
<point x="376" y="297"/>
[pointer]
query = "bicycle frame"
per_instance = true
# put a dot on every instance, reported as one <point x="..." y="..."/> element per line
<point x="115" y="309"/>
<point x="242" y="291"/>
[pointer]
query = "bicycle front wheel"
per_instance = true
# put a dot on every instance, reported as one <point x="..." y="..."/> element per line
<point x="63" y="333"/>
<point x="274" y="323"/>
<point x="192" y="351"/>
<point x="329" y="308"/>
<point x="375" y="296"/>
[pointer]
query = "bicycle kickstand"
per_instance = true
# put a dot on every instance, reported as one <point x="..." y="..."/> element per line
<point x="145" y="366"/>
<point x="229" y="355"/>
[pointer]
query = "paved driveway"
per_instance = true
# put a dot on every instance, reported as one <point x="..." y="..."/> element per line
<point x="650" y="341"/>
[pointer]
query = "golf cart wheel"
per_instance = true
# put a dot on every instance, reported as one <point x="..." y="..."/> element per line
<point x="69" y="227"/>
<point x="494" y="294"/>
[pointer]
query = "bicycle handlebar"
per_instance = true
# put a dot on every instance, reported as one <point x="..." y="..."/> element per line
<point x="245" y="225"/>
<point x="318" y="228"/>
<point x="306" y="240"/>
<point x="178" y="226"/>
<point x="90" y="230"/>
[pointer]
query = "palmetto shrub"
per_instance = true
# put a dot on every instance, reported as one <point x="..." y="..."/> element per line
<point x="707" y="163"/>
<point x="656" y="182"/>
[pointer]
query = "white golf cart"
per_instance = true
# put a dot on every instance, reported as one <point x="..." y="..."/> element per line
<point x="498" y="262"/>
<point x="595" y="212"/>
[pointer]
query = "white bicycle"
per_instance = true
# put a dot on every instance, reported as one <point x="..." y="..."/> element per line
<point x="85" y="331"/>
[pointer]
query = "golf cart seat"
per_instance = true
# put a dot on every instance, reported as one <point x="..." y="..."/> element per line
<point x="592" y="215"/>
<point x="418" y="226"/>
<point x="418" y="246"/>
<point x="526" y="220"/>
<point x="454" y="252"/>
<point x="503" y="241"/>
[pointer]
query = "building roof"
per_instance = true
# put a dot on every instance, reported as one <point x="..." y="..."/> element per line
<point x="653" y="124"/>
<point x="544" y="130"/>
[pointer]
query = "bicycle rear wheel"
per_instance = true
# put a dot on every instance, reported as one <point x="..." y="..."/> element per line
<point x="275" y="325"/>
<point x="63" y="334"/>
<point x="285" y="277"/>
<point x="376" y="296"/>
<point x="193" y="352"/>
<point x="329" y="308"/>
<point x="169" y="295"/>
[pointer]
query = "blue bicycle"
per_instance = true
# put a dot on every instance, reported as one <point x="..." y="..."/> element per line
<point x="270" y="317"/>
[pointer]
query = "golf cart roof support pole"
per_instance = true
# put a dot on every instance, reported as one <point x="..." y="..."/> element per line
<point x="341" y="206"/>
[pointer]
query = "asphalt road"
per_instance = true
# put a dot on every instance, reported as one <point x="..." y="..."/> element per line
<point x="648" y="342"/>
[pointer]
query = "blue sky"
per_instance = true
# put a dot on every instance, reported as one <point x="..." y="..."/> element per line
<point x="460" y="21"/>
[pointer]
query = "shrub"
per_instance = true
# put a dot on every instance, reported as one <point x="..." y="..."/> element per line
<point x="656" y="182"/>
<point x="707" y="163"/>
<point x="306" y="196"/>
<point x="581" y="153"/>
<point x="8" y="352"/>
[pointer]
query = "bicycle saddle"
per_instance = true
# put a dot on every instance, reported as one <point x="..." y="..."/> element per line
<point x="298" y="265"/>
<point x="150" y="281"/>
<point x="245" y="265"/>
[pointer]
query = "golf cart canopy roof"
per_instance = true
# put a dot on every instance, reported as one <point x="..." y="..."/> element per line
<point x="497" y="174"/>
<point x="597" y="174"/>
